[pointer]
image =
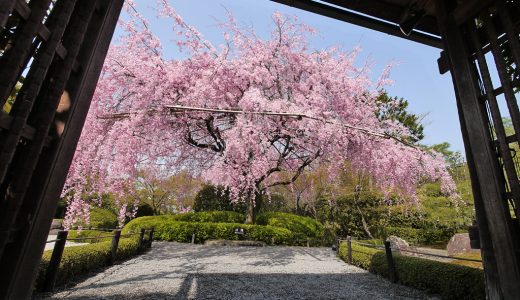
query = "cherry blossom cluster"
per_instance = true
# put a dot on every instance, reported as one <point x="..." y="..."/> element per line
<point x="135" y="120"/>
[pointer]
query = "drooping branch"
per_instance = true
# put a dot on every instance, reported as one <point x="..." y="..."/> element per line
<point x="298" y="172"/>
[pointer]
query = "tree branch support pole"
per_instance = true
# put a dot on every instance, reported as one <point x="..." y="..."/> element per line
<point x="54" y="264"/>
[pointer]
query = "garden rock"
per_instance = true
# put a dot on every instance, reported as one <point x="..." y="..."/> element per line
<point x="458" y="244"/>
<point x="400" y="246"/>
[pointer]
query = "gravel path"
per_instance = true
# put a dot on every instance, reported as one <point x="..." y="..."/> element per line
<point x="52" y="237"/>
<point x="186" y="271"/>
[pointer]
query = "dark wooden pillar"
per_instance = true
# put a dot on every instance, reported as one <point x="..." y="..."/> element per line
<point x="497" y="234"/>
<point x="36" y="162"/>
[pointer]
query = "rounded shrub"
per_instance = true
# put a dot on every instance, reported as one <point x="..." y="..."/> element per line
<point x="303" y="226"/>
<point x="169" y="229"/>
<point x="102" y="218"/>
<point x="144" y="209"/>
<point x="211" y="217"/>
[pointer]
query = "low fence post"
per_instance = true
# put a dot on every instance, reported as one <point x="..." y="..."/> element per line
<point x="150" y="237"/>
<point x="141" y="239"/>
<point x="54" y="263"/>
<point x="193" y="238"/>
<point x="390" y="260"/>
<point x="349" y="249"/>
<point x="115" y="243"/>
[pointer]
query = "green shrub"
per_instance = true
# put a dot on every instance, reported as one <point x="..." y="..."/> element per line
<point x="144" y="209"/>
<point x="73" y="234"/>
<point x="79" y="260"/>
<point x="211" y="217"/>
<point x="169" y="229"/>
<point x="448" y="280"/>
<point x="302" y="226"/>
<point x="421" y="236"/>
<point x="102" y="218"/>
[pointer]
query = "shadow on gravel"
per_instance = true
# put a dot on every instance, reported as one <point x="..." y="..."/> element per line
<point x="265" y="286"/>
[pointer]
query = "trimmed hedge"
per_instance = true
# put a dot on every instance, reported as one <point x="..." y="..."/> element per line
<point x="169" y="229"/>
<point x="211" y="217"/>
<point x="302" y="226"/>
<point x="448" y="280"/>
<point x="79" y="260"/>
<point x="421" y="236"/>
<point x="73" y="234"/>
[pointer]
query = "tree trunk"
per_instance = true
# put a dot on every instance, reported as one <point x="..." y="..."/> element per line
<point x="365" y="225"/>
<point x="250" y="210"/>
<point x="298" y="205"/>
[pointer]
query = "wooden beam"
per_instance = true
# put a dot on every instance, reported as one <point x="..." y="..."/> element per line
<point x="361" y="20"/>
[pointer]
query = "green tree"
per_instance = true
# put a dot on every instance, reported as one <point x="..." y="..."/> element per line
<point x="396" y="109"/>
<point x="215" y="198"/>
<point x="452" y="158"/>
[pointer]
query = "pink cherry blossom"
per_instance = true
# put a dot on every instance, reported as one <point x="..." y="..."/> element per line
<point x="137" y="118"/>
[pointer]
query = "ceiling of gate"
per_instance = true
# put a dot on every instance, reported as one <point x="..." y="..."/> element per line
<point x="411" y="19"/>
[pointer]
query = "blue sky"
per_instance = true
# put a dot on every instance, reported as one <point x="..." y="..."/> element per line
<point x="416" y="74"/>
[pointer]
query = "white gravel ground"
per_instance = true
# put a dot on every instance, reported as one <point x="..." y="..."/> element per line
<point x="186" y="271"/>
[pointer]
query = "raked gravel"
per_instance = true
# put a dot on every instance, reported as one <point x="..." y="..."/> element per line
<point x="186" y="271"/>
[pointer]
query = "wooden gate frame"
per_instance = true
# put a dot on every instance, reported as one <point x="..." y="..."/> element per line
<point x="67" y="42"/>
<point x="72" y="45"/>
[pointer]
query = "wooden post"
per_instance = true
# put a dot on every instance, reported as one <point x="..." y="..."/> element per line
<point x="308" y="243"/>
<point x="150" y="237"/>
<point x="193" y="238"/>
<point x="54" y="263"/>
<point x="390" y="260"/>
<point x="115" y="243"/>
<point x="349" y="249"/>
<point x="141" y="239"/>
<point x="497" y="236"/>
